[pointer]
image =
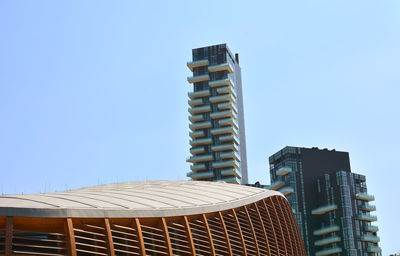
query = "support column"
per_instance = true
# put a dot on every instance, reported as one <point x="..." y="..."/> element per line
<point x="166" y="235"/>
<point x="209" y="234"/>
<point x="110" y="242"/>
<point x="263" y="226"/>
<point x="140" y="237"/>
<point x="190" y="237"/>
<point x="240" y="232"/>
<point x="71" y="237"/>
<point x="228" y="243"/>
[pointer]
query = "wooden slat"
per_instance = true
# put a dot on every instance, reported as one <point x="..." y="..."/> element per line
<point x="209" y="234"/>
<point x="252" y="229"/>
<point x="263" y="226"/>
<point x="226" y="233"/>
<point x="110" y="244"/>
<point x="272" y="226"/>
<point x="166" y="235"/>
<point x="190" y="238"/>
<point x="240" y="231"/>
<point x="140" y="237"/>
<point x="9" y="236"/>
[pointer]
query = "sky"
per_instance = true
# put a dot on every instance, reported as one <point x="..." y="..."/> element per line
<point x="95" y="91"/>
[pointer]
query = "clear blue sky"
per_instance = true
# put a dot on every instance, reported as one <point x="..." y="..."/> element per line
<point x="95" y="91"/>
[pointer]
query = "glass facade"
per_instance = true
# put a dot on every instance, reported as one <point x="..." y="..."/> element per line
<point x="330" y="203"/>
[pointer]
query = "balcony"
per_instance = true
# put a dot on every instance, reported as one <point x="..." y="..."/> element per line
<point x="276" y="185"/>
<point x="286" y="190"/>
<point x="374" y="249"/>
<point x="282" y="171"/>
<point x="225" y="147"/>
<point x="224" y="130"/>
<point x="223" y="114"/>
<point x="233" y="180"/>
<point x="200" y="78"/>
<point x="230" y="155"/>
<point x="196" y="134"/>
<point x="198" y="167"/>
<point x="195" y="102"/>
<point x="227" y="105"/>
<point x="221" y="67"/>
<point x="199" y="109"/>
<point x="328" y="240"/>
<point x="231" y="172"/>
<point x="370" y="239"/>
<point x="227" y="90"/>
<point x="229" y="121"/>
<point x="371" y="228"/>
<point x="365" y="197"/>
<point x="223" y="98"/>
<point x="198" y="94"/>
<point x="197" y="63"/>
<point x="202" y="158"/>
<point x="202" y="125"/>
<point x="222" y="82"/>
<point x="200" y="175"/>
<point x="324" y="209"/>
<point x="330" y="251"/>
<point x="205" y="141"/>
<point x="368" y="208"/>
<point x="196" y="118"/>
<point x="326" y="230"/>
<point x="229" y="138"/>
<point x="227" y="163"/>
<point x="367" y="217"/>
<point x="197" y="150"/>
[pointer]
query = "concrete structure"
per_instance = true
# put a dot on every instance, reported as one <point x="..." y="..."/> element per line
<point x="330" y="203"/>
<point x="218" y="142"/>
<point x="150" y="218"/>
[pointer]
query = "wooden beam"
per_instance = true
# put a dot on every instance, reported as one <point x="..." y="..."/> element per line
<point x="110" y="243"/>
<point x="166" y="235"/>
<point x="9" y="236"/>
<point x="228" y="242"/>
<point x="209" y="234"/>
<point x="280" y="224"/>
<point x="252" y="229"/>
<point x="240" y="232"/>
<point x="140" y="237"/>
<point x="190" y="237"/>
<point x="272" y="226"/>
<point x="263" y="226"/>
<point x="69" y="226"/>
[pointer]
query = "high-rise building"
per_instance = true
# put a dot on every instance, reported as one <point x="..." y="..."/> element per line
<point x="330" y="203"/>
<point x="218" y="143"/>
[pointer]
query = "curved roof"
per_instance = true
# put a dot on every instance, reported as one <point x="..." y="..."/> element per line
<point x="134" y="199"/>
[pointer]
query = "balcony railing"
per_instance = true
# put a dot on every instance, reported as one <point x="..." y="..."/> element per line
<point x="370" y="238"/>
<point x="371" y="228"/>
<point x="197" y="63"/>
<point x="197" y="167"/>
<point x="205" y="141"/>
<point x="228" y="105"/>
<point x="225" y="146"/>
<point x="224" y="130"/>
<point x="227" y="163"/>
<point x="230" y="155"/>
<point x="197" y="150"/>
<point x="374" y="249"/>
<point x="221" y="67"/>
<point x="330" y="251"/>
<point x="276" y="185"/>
<point x="367" y="217"/>
<point x="229" y="138"/>
<point x="231" y="172"/>
<point x="227" y="89"/>
<point x="200" y="78"/>
<point x="232" y="179"/>
<point x="368" y="208"/>
<point x="223" y="98"/>
<point x="222" y="82"/>
<point x="223" y="114"/>
<point x="365" y="197"/>
<point x="328" y="240"/>
<point x="196" y="118"/>
<point x="286" y="190"/>
<point x="197" y="94"/>
<point x="199" y="109"/>
<point x="324" y="209"/>
<point x="202" y="125"/>
<point x="195" y="102"/>
<point x="282" y="171"/>
<point x="202" y="158"/>
<point x="196" y="134"/>
<point x="200" y="175"/>
<point x="326" y="230"/>
<point x="229" y="121"/>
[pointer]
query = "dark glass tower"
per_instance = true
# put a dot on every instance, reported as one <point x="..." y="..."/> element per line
<point x="218" y="143"/>
<point x="330" y="203"/>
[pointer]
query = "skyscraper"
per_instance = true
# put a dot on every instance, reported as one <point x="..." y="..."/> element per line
<point x="218" y="143"/>
<point x="330" y="203"/>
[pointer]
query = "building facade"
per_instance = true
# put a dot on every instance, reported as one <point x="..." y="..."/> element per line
<point x="150" y="218"/>
<point x="330" y="203"/>
<point x="217" y="132"/>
